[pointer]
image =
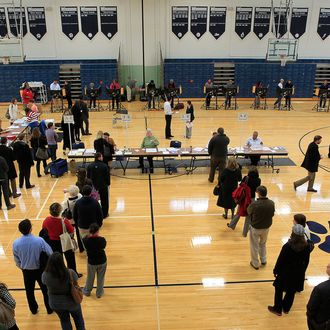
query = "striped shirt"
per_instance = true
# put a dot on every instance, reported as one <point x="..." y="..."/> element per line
<point x="32" y="116"/>
<point x="7" y="298"/>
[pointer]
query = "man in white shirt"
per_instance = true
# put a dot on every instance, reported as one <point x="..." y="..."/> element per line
<point x="279" y="95"/>
<point x="168" y="118"/>
<point x="55" y="91"/>
<point x="254" y="142"/>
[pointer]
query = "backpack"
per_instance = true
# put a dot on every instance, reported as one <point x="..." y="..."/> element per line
<point x="239" y="193"/>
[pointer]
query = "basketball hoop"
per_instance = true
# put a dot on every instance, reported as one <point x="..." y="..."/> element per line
<point x="283" y="59"/>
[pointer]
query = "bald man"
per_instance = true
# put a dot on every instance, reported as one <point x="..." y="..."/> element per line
<point x="254" y="141"/>
<point x="279" y="94"/>
<point x="318" y="307"/>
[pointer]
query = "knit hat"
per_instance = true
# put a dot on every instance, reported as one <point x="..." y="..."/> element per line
<point x="298" y="230"/>
<point x="73" y="191"/>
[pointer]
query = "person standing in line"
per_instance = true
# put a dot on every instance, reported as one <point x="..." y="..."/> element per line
<point x="289" y="271"/>
<point x="103" y="146"/>
<point x="4" y="184"/>
<point x="23" y="155"/>
<point x="300" y="219"/>
<point x="318" y="306"/>
<point x="96" y="261"/>
<point x="261" y="212"/>
<point x="82" y="179"/>
<point x="279" y="95"/>
<point x="99" y="173"/>
<point x="8" y="154"/>
<point x="51" y="137"/>
<point x="189" y="110"/>
<point x="8" y="299"/>
<point x="38" y="141"/>
<point x="27" y="250"/>
<point x="58" y="280"/>
<point x="109" y="149"/>
<point x="168" y="118"/>
<point x="76" y="113"/>
<point x="13" y="110"/>
<point x="84" y="117"/>
<point x="218" y="150"/>
<point x="311" y="164"/>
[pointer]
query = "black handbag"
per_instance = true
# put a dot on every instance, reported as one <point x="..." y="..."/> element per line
<point x="67" y="214"/>
<point x="216" y="191"/>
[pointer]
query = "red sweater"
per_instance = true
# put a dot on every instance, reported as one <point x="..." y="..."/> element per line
<point x="54" y="227"/>
<point x="27" y="95"/>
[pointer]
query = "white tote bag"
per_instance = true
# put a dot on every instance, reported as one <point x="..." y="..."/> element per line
<point x="66" y="241"/>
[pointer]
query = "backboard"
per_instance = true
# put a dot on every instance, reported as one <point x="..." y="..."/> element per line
<point x="282" y="48"/>
<point x="11" y="50"/>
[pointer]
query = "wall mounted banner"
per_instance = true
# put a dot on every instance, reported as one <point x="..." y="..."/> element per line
<point x="69" y="19"/>
<point x="14" y="17"/>
<point x="198" y="20"/>
<point x="88" y="18"/>
<point x="3" y="23"/>
<point x="109" y="22"/>
<point x="281" y="22"/>
<point x="323" y="28"/>
<point x="298" y="22"/>
<point x="37" y="21"/>
<point x="243" y="21"/>
<point x="180" y="20"/>
<point x="261" y="21"/>
<point x="217" y="25"/>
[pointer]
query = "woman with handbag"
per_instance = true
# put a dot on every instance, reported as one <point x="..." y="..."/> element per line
<point x="38" y="144"/>
<point x="56" y="227"/>
<point x="62" y="288"/>
<point x="7" y="309"/>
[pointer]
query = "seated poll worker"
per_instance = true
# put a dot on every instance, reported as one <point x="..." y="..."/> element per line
<point x="208" y="85"/>
<point x="254" y="141"/>
<point x="149" y="141"/>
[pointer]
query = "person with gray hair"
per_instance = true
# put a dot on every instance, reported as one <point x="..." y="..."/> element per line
<point x="279" y="94"/>
<point x="92" y="93"/>
<point x="149" y="141"/>
<point x="289" y="271"/>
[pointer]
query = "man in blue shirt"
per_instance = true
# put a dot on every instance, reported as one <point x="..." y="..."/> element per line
<point x="27" y="251"/>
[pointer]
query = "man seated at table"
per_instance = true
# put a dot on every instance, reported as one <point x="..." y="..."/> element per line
<point x="254" y="142"/>
<point x="149" y="141"/>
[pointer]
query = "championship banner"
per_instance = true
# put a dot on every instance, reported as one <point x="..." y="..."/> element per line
<point x="14" y="16"/>
<point x="261" y="22"/>
<point x="109" y="22"/>
<point x="3" y="23"/>
<point x="180" y="20"/>
<point x="69" y="19"/>
<point x="298" y="22"/>
<point x="323" y="27"/>
<point x="243" y="21"/>
<point x="217" y="25"/>
<point x="37" y="21"/>
<point x="281" y="20"/>
<point x="88" y="18"/>
<point x="198" y="20"/>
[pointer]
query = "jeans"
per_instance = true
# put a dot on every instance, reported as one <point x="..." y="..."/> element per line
<point x="44" y="162"/>
<point x="92" y="102"/>
<point x="278" y="101"/>
<point x="30" y="278"/>
<point x="4" y="189"/>
<point x="323" y="101"/>
<point x="52" y="151"/>
<point x="99" y="270"/>
<point x="77" y="316"/>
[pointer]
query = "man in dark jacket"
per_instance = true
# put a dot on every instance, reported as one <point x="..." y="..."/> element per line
<point x="23" y="155"/>
<point x="76" y="113"/>
<point x="87" y="211"/>
<point x="99" y="173"/>
<point x="311" y="164"/>
<point x="4" y="184"/>
<point x="261" y="212"/>
<point x="8" y="154"/>
<point x="84" y="117"/>
<point x="218" y="150"/>
<point x="318" y="307"/>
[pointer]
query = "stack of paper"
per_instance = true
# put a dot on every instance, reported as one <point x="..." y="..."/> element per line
<point x="151" y="149"/>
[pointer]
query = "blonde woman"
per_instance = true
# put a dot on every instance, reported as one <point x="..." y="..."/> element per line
<point x="228" y="182"/>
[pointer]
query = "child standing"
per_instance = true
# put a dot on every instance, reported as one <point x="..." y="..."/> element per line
<point x="96" y="260"/>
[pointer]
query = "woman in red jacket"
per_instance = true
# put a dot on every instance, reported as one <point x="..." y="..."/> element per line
<point x="27" y="95"/>
<point x="54" y="227"/>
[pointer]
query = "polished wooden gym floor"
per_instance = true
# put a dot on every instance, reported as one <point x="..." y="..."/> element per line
<point x="172" y="261"/>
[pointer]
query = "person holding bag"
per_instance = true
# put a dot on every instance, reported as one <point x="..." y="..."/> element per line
<point x="7" y="309"/>
<point x="38" y="144"/>
<point x="62" y="288"/>
<point x="58" y="230"/>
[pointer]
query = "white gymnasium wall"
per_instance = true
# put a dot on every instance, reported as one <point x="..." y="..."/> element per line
<point x="157" y="17"/>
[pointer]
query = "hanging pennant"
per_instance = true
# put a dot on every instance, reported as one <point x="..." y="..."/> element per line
<point x="281" y="22"/>
<point x="37" y="21"/>
<point x="217" y="24"/>
<point x="243" y="21"/>
<point x="323" y="27"/>
<point x="261" y="21"/>
<point x="298" y="22"/>
<point x="69" y="19"/>
<point x="3" y="23"/>
<point x="180" y="20"/>
<point x="88" y="18"/>
<point x="109" y="23"/>
<point x="198" y="21"/>
<point x="14" y="16"/>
